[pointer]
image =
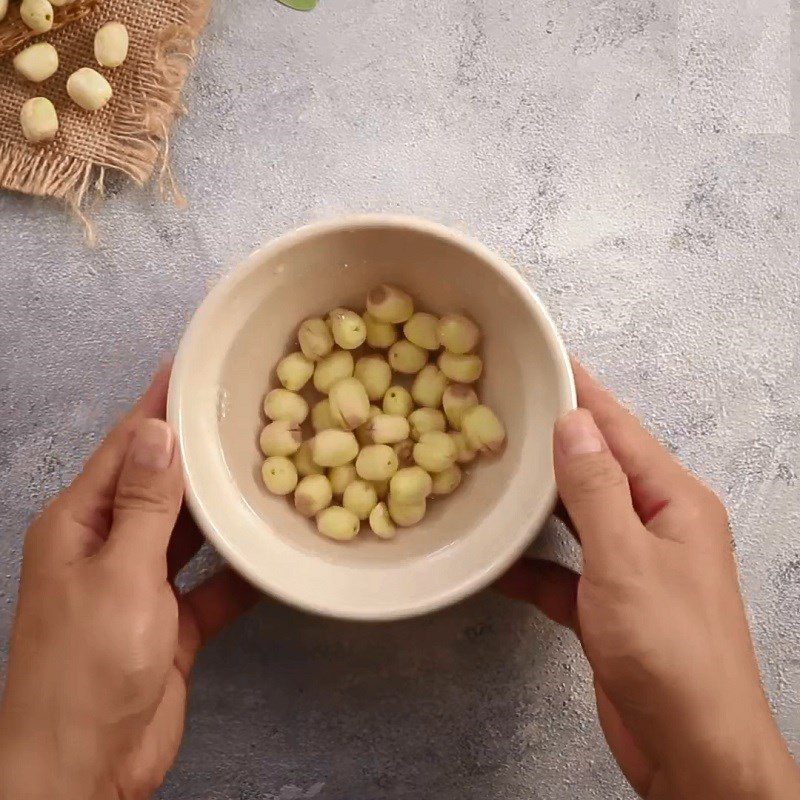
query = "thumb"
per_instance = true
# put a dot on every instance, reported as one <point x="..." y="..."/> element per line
<point x="595" y="492"/>
<point x="147" y="500"/>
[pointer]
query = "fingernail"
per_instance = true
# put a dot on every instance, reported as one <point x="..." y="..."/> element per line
<point x="152" y="445"/>
<point x="577" y="434"/>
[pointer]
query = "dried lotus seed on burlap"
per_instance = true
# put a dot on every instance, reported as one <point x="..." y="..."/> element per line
<point x="88" y="89"/>
<point x="37" y="15"/>
<point x="38" y="120"/>
<point x="37" y="63"/>
<point x="111" y="44"/>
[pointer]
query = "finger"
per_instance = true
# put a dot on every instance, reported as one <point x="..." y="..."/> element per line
<point x="207" y="609"/>
<point x="91" y="494"/>
<point x="595" y="492"/>
<point x="552" y="588"/>
<point x="147" y="500"/>
<point x="655" y="477"/>
<point x="185" y="542"/>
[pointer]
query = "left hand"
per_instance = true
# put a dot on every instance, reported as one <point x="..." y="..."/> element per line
<point x="103" y="645"/>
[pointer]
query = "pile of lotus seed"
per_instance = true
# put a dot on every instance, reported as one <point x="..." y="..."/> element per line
<point x="386" y="448"/>
<point x="38" y="62"/>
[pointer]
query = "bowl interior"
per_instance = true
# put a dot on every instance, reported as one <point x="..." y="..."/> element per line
<point x="226" y="364"/>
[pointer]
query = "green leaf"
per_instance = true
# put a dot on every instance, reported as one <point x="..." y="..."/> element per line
<point x="299" y="5"/>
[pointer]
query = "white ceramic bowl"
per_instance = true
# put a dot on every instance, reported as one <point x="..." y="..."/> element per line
<point x="225" y="364"/>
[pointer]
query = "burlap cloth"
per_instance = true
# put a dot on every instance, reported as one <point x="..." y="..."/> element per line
<point x="131" y="133"/>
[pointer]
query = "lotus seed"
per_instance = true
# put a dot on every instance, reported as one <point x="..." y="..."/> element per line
<point x="376" y="462"/>
<point x="294" y="371"/>
<point x="429" y="386"/>
<point x="458" y="334"/>
<point x="280" y="438"/>
<point x="316" y="339"/>
<point x="332" y="448"/>
<point x="375" y="375"/>
<point x="456" y="399"/>
<point x="426" y="419"/>
<point x="312" y="494"/>
<point x="380" y="335"/>
<point x="381" y="523"/>
<point x="279" y="474"/>
<point x="435" y="451"/>
<point x="422" y="330"/>
<point x="483" y="430"/>
<point x="332" y="368"/>
<point x="338" y="523"/>
<point x="465" y="368"/>
<point x="349" y="403"/>
<point x="398" y="401"/>
<point x="406" y="357"/>
<point x="389" y="304"/>
<point x="341" y="477"/>
<point x="283" y="404"/>
<point x="349" y="330"/>
<point x="360" y="497"/>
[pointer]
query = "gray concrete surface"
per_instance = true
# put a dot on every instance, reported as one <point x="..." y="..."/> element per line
<point x="633" y="159"/>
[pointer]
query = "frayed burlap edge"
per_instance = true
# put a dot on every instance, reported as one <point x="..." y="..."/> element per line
<point x="138" y="141"/>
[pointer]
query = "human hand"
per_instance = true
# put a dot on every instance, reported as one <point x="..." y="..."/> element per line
<point x="658" y="612"/>
<point x="102" y="644"/>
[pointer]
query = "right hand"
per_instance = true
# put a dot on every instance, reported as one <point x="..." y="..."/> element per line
<point x="658" y="612"/>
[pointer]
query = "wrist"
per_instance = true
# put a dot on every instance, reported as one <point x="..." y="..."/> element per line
<point x="756" y="767"/>
<point x="32" y="768"/>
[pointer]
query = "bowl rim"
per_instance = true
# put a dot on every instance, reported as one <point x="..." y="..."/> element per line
<point x="479" y="579"/>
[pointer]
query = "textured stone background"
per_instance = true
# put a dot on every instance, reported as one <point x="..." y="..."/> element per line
<point x="634" y="159"/>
